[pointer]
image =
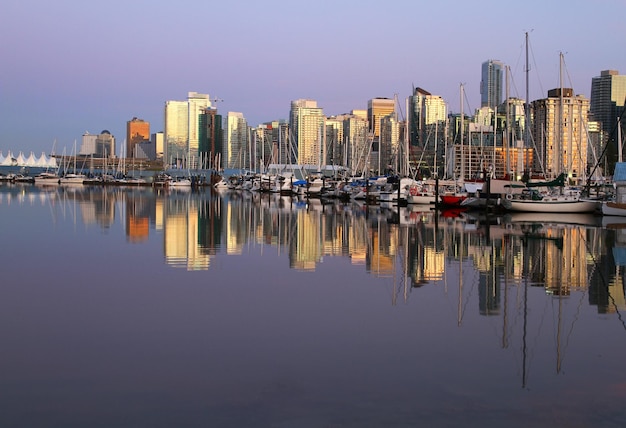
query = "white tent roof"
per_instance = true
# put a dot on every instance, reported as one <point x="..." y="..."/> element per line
<point x="8" y="160"/>
<point x="52" y="162"/>
<point x="31" y="160"/>
<point x="21" y="160"/>
<point x="42" y="161"/>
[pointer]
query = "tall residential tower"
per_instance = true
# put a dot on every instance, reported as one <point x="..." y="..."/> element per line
<point x="491" y="84"/>
<point x="307" y="123"/>
<point x="608" y="93"/>
<point x="184" y="129"/>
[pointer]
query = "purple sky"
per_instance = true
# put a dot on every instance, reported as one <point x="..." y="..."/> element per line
<point x="70" y="66"/>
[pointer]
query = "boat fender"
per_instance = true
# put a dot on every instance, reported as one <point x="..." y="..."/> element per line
<point x="509" y="196"/>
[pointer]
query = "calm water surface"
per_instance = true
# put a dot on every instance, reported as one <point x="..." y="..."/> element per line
<point x="141" y="308"/>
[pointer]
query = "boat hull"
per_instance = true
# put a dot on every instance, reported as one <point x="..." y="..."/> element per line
<point x="452" y="200"/>
<point x="557" y="206"/>
<point x="613" y="208"/>
<point x="424" y="199"/>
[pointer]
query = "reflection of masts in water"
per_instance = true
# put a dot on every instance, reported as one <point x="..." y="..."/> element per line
<point x="558" y="335"/>
<point x="460" y="307"/>
<point x="525" y="324"/>
<point x="505" y="318"/>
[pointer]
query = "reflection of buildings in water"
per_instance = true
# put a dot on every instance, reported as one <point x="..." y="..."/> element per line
<point x="140" y="207"/>
<point x="382" y="253"/>
<point x="180" y="234"/>
<point x="238" y="218"/>
<point x="159" y="213"/>
<point x="566" y="260"/>
<point x="97" y="205"/>
<point x="607" y="283"/>
<point x="426" y="255"/>
<point x="210" y="225"/>
<point x="357" y="239"/>
<point x="306" y="249"/>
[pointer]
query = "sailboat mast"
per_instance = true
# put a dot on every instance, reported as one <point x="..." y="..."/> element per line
<point x="461" y="134"/>
<point x="526" y="108"/>
<point x="559" y="151"/>
<point x="619" y="140"/>
<point x="506" y="141"/>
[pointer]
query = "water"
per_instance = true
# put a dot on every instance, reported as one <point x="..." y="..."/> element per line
<point x="141" y="307"/>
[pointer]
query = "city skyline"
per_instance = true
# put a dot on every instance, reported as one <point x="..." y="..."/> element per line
<point x="76" y="67"/>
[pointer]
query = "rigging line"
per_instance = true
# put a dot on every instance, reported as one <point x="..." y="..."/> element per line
<point x="569" y="78"/>
<point x="471" y="292"/>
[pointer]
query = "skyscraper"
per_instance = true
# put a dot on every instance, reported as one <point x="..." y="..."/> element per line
<point x="237" y="154"/>
<point x="184" y="128"/>
<point x="198" y="103"/>
<point x="307" y="122"/>
<point x="137" y="131"/>
<point x="608" y="92"/>
<point x="377" y="108"/>
<point x="491" y="84"/>
<point x="356" y="140"/>
<point x="427" y="129"/>
<point x="211" y="145"/>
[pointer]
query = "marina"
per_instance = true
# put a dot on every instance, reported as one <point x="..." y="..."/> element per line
<point x="238" y="308"/>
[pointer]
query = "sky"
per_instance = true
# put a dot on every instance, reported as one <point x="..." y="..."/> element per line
<point x="72" y="66"/>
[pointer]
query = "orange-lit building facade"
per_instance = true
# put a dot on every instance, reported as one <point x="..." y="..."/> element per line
<point x="137" y="131"/>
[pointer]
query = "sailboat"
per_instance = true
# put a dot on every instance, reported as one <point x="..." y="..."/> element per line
<point x="550" y="196"/>
<point x="73" y="177"/>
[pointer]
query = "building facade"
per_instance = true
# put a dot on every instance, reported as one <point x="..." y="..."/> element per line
<point x="211" y="140"/>
<point x="608" y="93"/>
<point x="491" y="83"/>
<point x="307" y="125"/>
<point x="237" y="152"/>
<point x="559" y="130"/>
<point x="357" y="141"/>
<point x="176" y="133"/>
<point x="185" y="128"/>
<point x="377" y="108"/>
<point x="427" y="116"/>
<point x="137" y="131"/>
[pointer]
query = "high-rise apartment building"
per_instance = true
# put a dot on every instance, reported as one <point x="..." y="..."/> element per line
<point x="237" y="153"/>
<point x="608" y="94"/>
<point x="356" y="141"/>
<point x="176" y="133"/>
<point x="559" y="130"/>
<point x="211" y="140"/>
<point x="389" y="152"/>
<point x="335" y="153"/>
<point x="137" y="131"/>
<point x="491" y="84"/>
<point x="184" y="129"/>
<point x="427" y="115"/>
<point x="198" y="103"/>
<point x="307" y="125"/>
<point x="377" y="108"/>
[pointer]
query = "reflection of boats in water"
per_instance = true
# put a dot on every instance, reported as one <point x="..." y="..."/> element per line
<point x="614" y="222"/>
<point x="582" y="219"/>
